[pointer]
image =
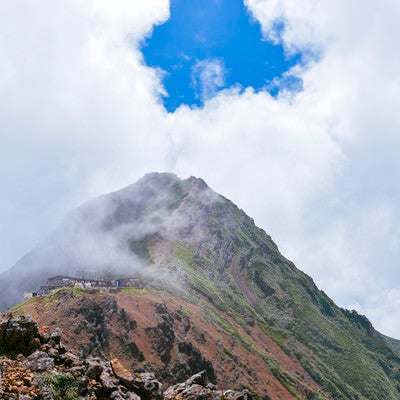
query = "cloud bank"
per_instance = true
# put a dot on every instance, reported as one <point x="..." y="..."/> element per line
<point x="318" y="169"/>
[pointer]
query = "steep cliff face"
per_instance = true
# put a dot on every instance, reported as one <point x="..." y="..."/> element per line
<point x="219" y="296"/>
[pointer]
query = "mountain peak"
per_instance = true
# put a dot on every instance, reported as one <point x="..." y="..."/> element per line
<point x="161" y="178"/>
<point x="216" y="288"/>
<point x="168" y="178"/>
<point x="160" y="185"/>
<point x="197" y="181"/>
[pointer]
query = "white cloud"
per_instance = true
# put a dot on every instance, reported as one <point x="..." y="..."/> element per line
<point x="352" y="245"/>
<point x="81" y="115"/>
<point x="270" y="162"/>
<point x="77" y="108"/>
<point x="207" y="77"/>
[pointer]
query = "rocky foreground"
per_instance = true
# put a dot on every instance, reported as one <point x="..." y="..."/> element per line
<point x="34" y="364"/>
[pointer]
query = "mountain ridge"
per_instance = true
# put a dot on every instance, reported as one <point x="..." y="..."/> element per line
<point x="198" y="248"/>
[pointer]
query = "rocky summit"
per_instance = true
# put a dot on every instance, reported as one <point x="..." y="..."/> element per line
<point x="216" y="296"/>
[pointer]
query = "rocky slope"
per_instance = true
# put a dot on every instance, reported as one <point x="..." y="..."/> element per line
<point x="41" y="367"/>
<point x="218" y="296"/>
<point x="154" y="331"/>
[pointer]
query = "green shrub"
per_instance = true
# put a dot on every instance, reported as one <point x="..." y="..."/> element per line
<point x="61" y="386"/>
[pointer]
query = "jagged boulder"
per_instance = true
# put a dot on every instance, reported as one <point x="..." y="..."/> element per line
<point x="94" y="368"/>
<point x="70" y="359"/>
<point x="147" y="386"/>
<point x="197" y="387"/>
<point x="121" y="372"/>
<point x="39" y="361"/>
<point x="17" y="334"/>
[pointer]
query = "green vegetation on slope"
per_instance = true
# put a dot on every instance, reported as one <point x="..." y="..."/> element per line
<point x="338" y="348"/>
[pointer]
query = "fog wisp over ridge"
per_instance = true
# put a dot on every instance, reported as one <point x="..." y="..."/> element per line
<point x="112" y="235"/>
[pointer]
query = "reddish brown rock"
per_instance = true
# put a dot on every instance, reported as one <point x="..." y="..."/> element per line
<point x="121" y="372"/>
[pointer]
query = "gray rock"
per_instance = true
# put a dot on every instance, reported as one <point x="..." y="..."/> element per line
<point x="56" y="335"/>
<point x="39" y="361"/>
<point x="17" y="333"/>
<point x="147" y="386"/>
<point x="197" y="388"/>
<point x="53" y="353"/>
<point x="132" y="396"/>
<point x="94" y="368"/>
<point x="69" y="359"/>
<point x="83" y="385"/>
<point x="108" y="382"/>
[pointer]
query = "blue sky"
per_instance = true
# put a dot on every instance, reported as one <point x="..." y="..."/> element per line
<point x="210" y="45"/>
